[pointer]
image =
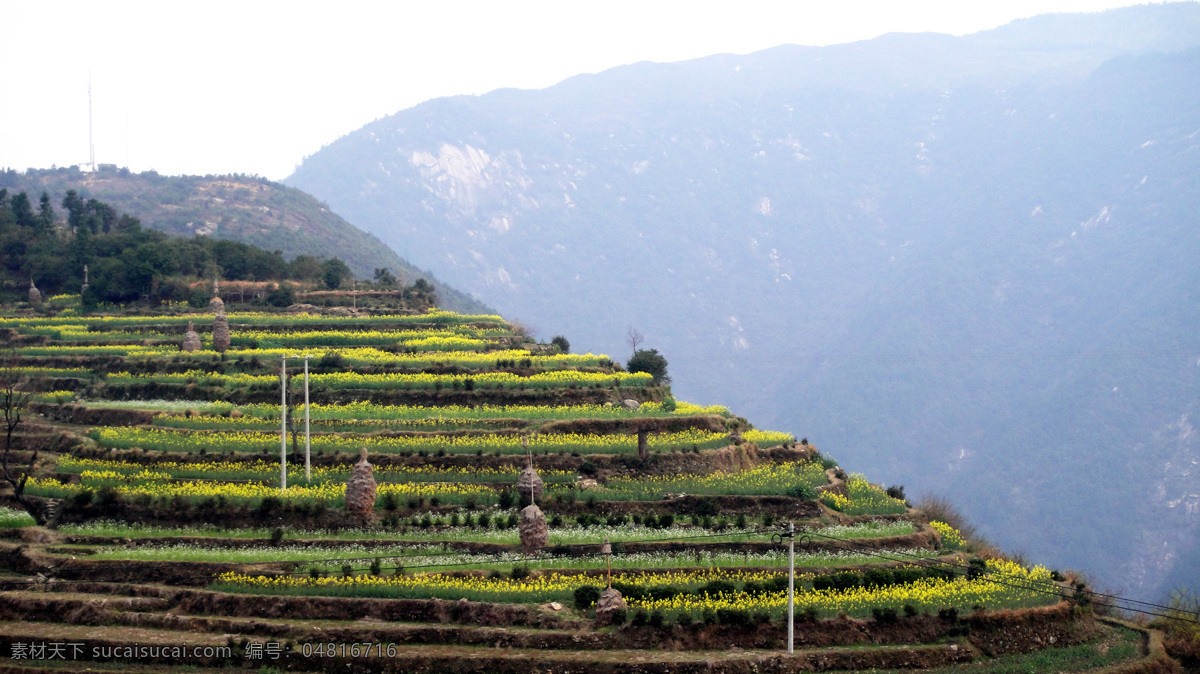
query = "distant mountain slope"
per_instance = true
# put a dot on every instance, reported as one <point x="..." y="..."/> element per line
<point x="240" y="208"/>
<point x="969" y="263"/>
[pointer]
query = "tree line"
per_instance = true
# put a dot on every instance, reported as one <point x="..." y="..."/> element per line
<point x="129" y="263"/>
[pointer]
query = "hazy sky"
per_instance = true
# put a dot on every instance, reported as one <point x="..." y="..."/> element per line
<point x="253" y="87"/>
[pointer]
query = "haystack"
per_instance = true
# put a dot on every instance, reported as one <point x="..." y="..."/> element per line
<point x="532" y="527"/>
<point x="191" y="339"/>
<point x="360" y="489"/>
<point x="529" y="484"/>
<point x="220" y="332"/>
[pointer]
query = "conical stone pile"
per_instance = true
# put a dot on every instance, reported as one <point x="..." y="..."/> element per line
<point x="35" y="295"/>
<point x="360" y="489"/>
<point x="532" y="527"/>
<point x="529" y="484"/>
<point x="220" y="325"/>
<point x="191" y="339"/>
<point x="610" y="602"/>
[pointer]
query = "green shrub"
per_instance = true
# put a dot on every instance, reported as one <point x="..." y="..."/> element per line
<point x="878" y="578"/>
<point x="708" y="616"/>
<point x="884" y="615"/>
<point x="976" y="569"/>
<point x="269" y="505"/>
<point x="639" y="619"/>
<point x="663" y="592"/>
<point x="803" y="491"/>
<point x="586" y="596"/>
<point x="733" y="617"/>
<point x="846" y="580"/>
<point x="389" y="501"/>
<point x="107" y="495"/>
<point x="631" y="591"/>
<point x="619" y="616"/>
<point x="715" y="587"/>
<point x="657" y="618"/>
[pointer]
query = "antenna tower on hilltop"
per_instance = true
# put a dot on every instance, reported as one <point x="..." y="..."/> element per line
<point x="91" y="143"/>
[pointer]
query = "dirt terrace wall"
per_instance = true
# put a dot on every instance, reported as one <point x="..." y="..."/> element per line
<point x="92" y="416"/>
<point x="344" y="608"/>
<point x="714" y="423"/>
<point x="268" y="394"/>
<point x="659" y="463"/>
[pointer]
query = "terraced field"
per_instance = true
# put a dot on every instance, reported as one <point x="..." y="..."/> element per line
<point x="161" y="521"/>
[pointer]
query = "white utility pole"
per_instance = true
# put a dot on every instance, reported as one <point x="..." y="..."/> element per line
<point x="283" y="423"/>
<point x="307" y="443"/>
<point x="791" y="584"/>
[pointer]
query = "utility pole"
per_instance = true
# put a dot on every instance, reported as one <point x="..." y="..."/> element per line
<point x="791" y="584"/>
<point x="790" y="534"/>
<point x="307" y="443"/>
<point x="283" y="423"/>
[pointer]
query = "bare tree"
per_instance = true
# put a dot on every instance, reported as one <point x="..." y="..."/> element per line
<point x="15" y="395"/>
<point x="633" y="338"/>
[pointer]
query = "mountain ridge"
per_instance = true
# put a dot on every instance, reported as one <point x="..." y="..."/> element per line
<point x="922" y="273"/>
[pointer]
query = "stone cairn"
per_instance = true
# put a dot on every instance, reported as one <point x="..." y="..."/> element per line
<point x="529" y="484"/>
<point x="35" y="295"/>
<point x="610" y="601"/>
<point x="532" y="527"/>
<point x="191" y="339"/>
<point x="220" y="333"/>
<point x="360" y="488"/>
<point x="220" y="323"/>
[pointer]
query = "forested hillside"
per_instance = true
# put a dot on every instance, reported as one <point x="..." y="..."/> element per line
<point x="239" y="208"/>
<point x="965" y="263"/>
<point x="101" y="259"/>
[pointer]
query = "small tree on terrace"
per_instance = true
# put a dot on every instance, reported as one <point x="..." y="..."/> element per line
<point x="651" y="362"/>
<point x="561" y="343"/>
<point x="384" y="278"/>
<point x="633" y="338"/>
<point x="14" y="401"/>
<point x="334" y="272"/>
